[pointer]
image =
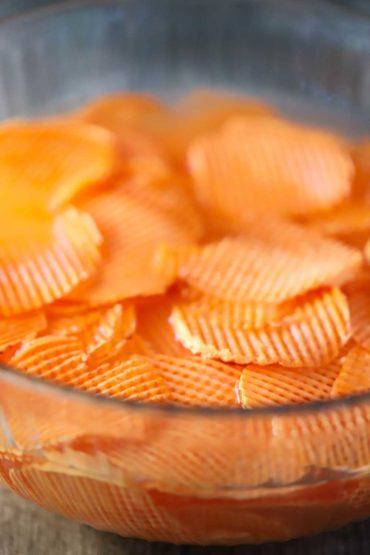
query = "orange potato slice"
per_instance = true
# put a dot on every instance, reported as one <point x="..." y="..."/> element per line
<point x="131" y="231"/>
<point x="135" y="345"/>
<point x="201" y="112"/>
<point x="349" y="222"/>
<point x="72" y="319"/>
<point x="154" y="327"/>
<point x="269" y="165"/>
<point x="42" y="258"/>
<point x="126" y="115"/>
<point x="247" y="315"/>
<point x="169" y="194"/>
<point x="367" y="251"/>
<point x="128" y="510"/>
<point x="106" y="339"/>
<point x="52" y="161"/>
<point x="7" y="353"/>
<point x="50" y="357"/>
<point x="336" y="438"/>
<point x="102" y="332"/>
<point x="117" y="110"/>
<point x="361" y="157"/>
<point x="311" y="335"/>
<point x="61" y="360"/>
<point x="196" y="381"/>
<point x="15" y="329"/>
<point x="107" y="330"/>
<point x="261" y="386"/>
<point x="354" y="374"/>
<point x="135" y="379"/>
<point x="266" y="265"/>
<point x="359" y="306"/>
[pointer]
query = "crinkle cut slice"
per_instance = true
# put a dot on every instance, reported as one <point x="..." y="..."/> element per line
<point x="247" y="315"/>
<point x="201" y="112"/>
<point x="102" y="331"/>
<point x="135" y="345"/>
<point x="169" y="193"/>
<point x="15" y="329"/>
<point x="51" y="358"/>
<point x="311" y="335"/>
<point x="367" y="252"/>
<point x="261" y="267"/>
<point x="261" y="386"/>
<point x="52" y="161"/>
<point x="61" y="359"/>
<point x="43" y="258"/>
<point x="127" y="116"/>
<point x="135" y="378"/>
<point x="269" y="165"/>
<point x="361" y="157"/>
<point x="154" y="326"/>
<point x="358" y="295"/>
<point x="354" y="374"/>
<point x="128" y="510"/>
<point x="132" y="231"/>
<point x="345" y="221"/>
<point x="72" y="318"/>
<point x="196" y="381"/>
<point x="117" y="110"/>
<point x="105" y="340"/>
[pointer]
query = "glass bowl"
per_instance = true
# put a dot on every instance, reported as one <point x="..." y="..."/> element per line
<point x="164" y="473"/>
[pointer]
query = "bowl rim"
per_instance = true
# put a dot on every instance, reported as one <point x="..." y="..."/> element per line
<point x="16" y="377"/>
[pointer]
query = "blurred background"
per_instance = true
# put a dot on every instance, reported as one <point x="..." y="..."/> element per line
<point x="11" y="7"/>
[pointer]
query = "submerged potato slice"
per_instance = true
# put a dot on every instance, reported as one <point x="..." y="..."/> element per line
<point x="44" y="257"/>
<point x="261" y="386"/>
<point x="267" y="164"/>
<point x="268" y="265"/>
<point x="312" y="334"/>
<point x="53" y="161"/>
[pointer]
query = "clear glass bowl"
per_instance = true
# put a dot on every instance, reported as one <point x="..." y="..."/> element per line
<point x="164" y="473"/>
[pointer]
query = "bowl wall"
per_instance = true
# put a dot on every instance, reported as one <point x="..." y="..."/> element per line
<point x="162" y="473"/>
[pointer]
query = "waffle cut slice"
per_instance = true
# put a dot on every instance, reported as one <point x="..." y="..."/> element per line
<point x="106" y="339"/>
<point x="195" y="381"/>
<point x="272" y="262"/>
<point x="134" y="378"/>
<point x="127" y="117"/>
<point x="201" y="112"/>
<point x="43" y="257"/>
<point x="265" y="164"/>
<point x="132" y="230"/>
<point x="312" y="334"/>
<point x="262" y="386"/>
<point x="349" y="222"/>
<point x="161" y="189"/>
<point x="16" y="329"/>
<point x="50" y="357"/>
<point x="153" y="326"/>
<point x="62" y="360"/>
<point x="361" y="157"/>
<point x="354" y="374"/>
<point x="358" y="294"/>
<point x="101" y="330"/>
<point x="52" y="161"/>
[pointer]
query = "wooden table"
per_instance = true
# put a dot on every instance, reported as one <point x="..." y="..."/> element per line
<point x="28" y="530"/>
